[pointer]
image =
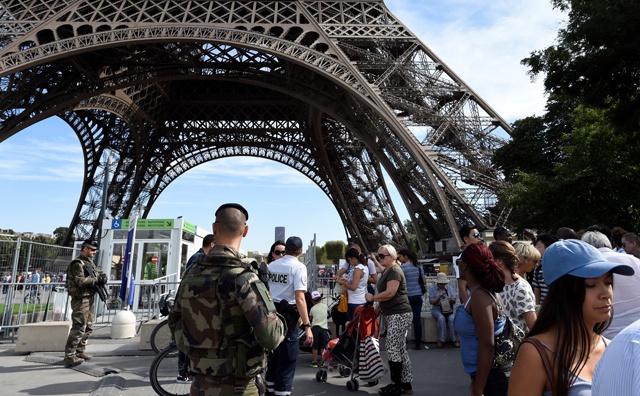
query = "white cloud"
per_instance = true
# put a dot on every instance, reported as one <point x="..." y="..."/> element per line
<point x="483" y="42"/>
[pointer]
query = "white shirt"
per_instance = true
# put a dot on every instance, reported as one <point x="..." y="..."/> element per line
<point x="287" y="275"/>
<point x="370" y="264"/>
<point x="626" y="293"/>
<point x="456" y="269"/>
<point x="618" y="371"/>
<point x="357" y="296"/>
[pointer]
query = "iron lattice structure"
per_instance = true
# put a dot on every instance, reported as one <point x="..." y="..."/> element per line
<point x="334" y="89"/>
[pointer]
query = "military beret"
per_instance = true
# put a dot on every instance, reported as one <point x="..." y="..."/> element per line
<point x="90" y="243"/>
<point x="235" y="206"/>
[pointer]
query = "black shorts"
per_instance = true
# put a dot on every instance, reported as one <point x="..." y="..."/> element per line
<point x="320" y="337"/>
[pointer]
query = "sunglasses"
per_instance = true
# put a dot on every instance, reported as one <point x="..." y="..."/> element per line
<point x="93" y="250"/>
<point x="382" y="256"/>
<point x="476" y="235"/>
<point x="278" y="252"/>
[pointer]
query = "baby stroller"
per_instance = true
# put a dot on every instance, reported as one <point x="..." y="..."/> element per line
<point x="343" y="352"/>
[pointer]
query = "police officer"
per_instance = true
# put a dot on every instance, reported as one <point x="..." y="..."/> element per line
<point x="223" y="317"/>
<point x="82" y="279"/>
<point x="288" y="284"/>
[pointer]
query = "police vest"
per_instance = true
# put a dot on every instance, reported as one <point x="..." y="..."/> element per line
<point x="213" y="330"/>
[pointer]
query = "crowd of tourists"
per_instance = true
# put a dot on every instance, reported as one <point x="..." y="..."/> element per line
<point x="537" y="316"/>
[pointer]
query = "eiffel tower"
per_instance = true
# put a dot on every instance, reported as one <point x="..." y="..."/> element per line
<point x="338" y="90"/>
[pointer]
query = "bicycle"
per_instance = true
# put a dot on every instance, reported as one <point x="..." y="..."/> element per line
<point x="164" y="371"/>
<point x="32" y="296"/>
<point x="161" y="334"/>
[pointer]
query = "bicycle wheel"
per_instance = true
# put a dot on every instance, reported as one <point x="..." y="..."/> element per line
<point x="160" y="336"/>
<point x="31" y="298"/>
<point x="164" y="372"/>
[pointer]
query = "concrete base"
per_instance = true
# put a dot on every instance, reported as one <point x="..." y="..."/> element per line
<point x="430" y="328"/>
<point x="123" y="325"/>
<point x="145" y="334"/>
<point x="43" y="337"/>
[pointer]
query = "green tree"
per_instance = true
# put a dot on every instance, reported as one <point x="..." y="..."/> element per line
<point x="334" y="251"/>
<point x="595" y="58"/>
<point x="321" y="256"/>
<point x="576" y="165"/>
<point x="59" y="234"/>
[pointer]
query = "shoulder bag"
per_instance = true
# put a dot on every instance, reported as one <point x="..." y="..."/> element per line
<point x="343" y="305"/>
<point x="508" y="341"/>
<point x="545" y="360"/>
<point x="445" y="305"/>
<point x="371" y="367"/>
<point x="423" y="287"/>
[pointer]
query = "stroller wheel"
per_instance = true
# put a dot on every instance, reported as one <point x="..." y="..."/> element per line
<point x="319" y="376"/>
<point x="352" y="385"/>
<point x="324" y="376"/>
<point x="344" y="371"/>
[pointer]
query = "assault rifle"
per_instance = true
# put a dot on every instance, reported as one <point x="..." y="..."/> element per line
<point x="101" y="288"/>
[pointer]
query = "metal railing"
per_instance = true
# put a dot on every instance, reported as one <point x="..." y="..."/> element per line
<point x="325" y="285"/>
<point x="31" y="303"/>
<point x="23" y="302"/>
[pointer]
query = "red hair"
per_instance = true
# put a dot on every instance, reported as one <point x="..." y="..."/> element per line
<point x="480" y="261"/>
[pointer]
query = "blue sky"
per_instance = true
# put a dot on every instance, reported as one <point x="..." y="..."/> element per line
<point x="41" y="168"/>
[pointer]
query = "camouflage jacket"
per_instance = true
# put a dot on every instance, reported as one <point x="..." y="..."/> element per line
<point x="223" y="317"/>
<point x="80" y="283"/>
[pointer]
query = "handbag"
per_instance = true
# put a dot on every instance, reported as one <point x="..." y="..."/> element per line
<point x="371" y="367"/>
<point x="445" y="306"/>
<point x="423" y="287"/>
<point x="338" y="318"/>
<point x="343" y="305"/>
<point x="508" y="341"/>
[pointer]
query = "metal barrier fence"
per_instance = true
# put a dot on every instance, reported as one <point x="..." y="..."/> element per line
<point x="22" y="302"/>
<point x="31" y="303"/>
<point x="20" y="258"/>
<point x="325" y="285"/>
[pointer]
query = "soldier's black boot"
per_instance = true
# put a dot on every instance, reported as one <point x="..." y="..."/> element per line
<point x="72" y="361"/>
<point x="83" y="355"/>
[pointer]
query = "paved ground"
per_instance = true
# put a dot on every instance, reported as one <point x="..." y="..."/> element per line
<point x="436" y="372"/>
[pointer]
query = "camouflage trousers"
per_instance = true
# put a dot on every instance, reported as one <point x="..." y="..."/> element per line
<point x="223" y="386"/>
<point x="81" y="325"/>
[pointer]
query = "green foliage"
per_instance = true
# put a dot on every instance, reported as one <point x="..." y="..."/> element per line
<point x="321" y="256"/>
<point x="334" y="251"/>
<point x="27" y="308"/>
<point x="577" y="165"/>
<point x="595" y="184"/>
<point x="595" y="57"/>
<point x="413" y="239"/>
<point x="59" y="234"/>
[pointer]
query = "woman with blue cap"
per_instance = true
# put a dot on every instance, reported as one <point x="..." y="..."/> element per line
<point x="566" y="342"/>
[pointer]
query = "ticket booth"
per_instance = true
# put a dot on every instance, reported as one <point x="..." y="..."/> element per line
<point x="160" y="252"/>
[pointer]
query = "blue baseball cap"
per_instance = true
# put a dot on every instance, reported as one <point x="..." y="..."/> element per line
<point x="577" y="258"/>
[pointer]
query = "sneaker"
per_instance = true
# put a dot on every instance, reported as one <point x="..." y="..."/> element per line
<point x="314" y="364"/>
<point x="390" y="390"/>
<point x="183" y="379"/>
<point x="406" y="388"/>
<point x="83" y="355"/>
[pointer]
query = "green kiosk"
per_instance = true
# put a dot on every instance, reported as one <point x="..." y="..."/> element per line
<point x="160" y="252"/>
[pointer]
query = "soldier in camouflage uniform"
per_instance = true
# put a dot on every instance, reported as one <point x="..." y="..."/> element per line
<point x="224" y="318"/>
<point x="82" y="278"/>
